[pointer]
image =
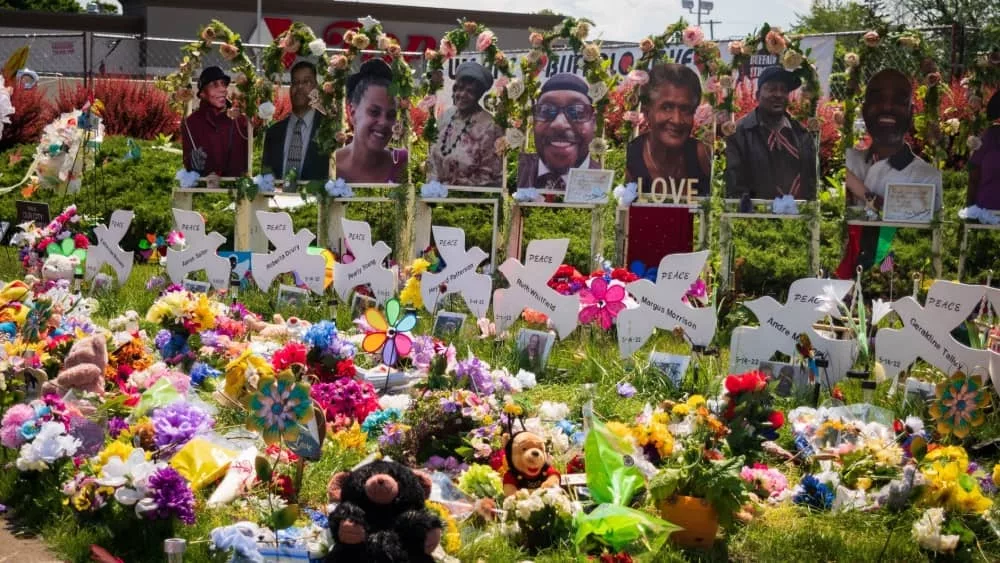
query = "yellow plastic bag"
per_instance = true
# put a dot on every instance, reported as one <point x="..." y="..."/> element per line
<point x="202" y="462"/>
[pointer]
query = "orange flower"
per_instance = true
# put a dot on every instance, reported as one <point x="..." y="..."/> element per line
<point x="535" y="317"/>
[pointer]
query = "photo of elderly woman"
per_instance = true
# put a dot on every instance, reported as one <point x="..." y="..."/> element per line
<point x="668" y="150"/>
<point x="464" y="153"/>
<point x="371" y="113"/>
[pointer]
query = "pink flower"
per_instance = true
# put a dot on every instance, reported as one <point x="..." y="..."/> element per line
<point x="500" y="83"/>
<point x="735" y="48"/>
<point x="871" y="38"/>
<point x="448" y="49"/>
<point x="228" y="51"/>
<point x="535" y="39"/>
<point x="693" y="36"/>
<point x="637" y="77"/>
<point x="631" y="116"/>
<point x="485" y="40"/>
<point x="427" y="102"/>
<point x="338" y="62"/>
<point x="775" y="42"/>
<point x="175" y="238"/>
<point x="601" y="302"/>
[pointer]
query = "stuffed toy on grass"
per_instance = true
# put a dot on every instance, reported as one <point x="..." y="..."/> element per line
<point x="279" y="329"/>
<point x="83" y="369"/>
<point x="528" y="465"/>
<point x="380" y="515"/>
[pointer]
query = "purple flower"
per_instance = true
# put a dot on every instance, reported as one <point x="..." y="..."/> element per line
<point x="171" y="495"/>
<point x="422" y="352"/>
<point x="448" y="464"/>
<point x="477" y="375"/>
<point x="392" y="434"/>
<point x="116" y="426"/>
<point x="238" y="310"/>
<point x="973" y="467"/>
<point x="209" y="338"/>
<point x="154" y="283"/>
<point x="449" y="406"/>
<point x="177" y="423"/>
<point x="626" y="389"/>
<point x="162" y="338"/>
<point x="987" y="485"/>
<point x="342" y="349"/>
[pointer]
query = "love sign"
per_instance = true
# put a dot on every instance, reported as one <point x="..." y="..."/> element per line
<point x="291" y="254"/>
<point x="200" y="252"/>
<point x="459" y="274"/>
<point x="108" y="249"/>
<point x="529" y="288"/>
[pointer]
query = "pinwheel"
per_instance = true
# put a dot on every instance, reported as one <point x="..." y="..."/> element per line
<point x="389" y="333"/>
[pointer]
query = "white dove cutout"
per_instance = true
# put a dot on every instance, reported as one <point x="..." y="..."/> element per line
<point x="459" y="274"/>
<point x="781" y="324"/>
<point x="660" y="305"/>
<point x="291" y="254"/>
<point x="366" y="269"/>
<point x="529" y="288"/>
<point x="108" y="249"/>
<point x="200" y="251"/>
<point x="926" y="331"/>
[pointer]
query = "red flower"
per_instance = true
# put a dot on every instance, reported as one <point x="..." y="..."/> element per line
<point x="897" y="426"/>
<point x="498" y="460"/>
<point x="283" y="485"/>
<point x="345" y="368"/>
<point x="576" y="465"/>
<point x="291" y="353"/>
<point x="777" y="419"/>
<point x="623" y="275"/>
<point x="838" y="394"/>
<point x="744" y="382"/>
<point x="81" y="240"/>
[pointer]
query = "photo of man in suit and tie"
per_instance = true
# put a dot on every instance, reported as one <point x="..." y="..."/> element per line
<point x="564" y="126"/>
<point x="290" y="143"/>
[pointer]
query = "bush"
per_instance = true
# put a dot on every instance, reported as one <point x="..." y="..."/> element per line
<point x="32" y="112"/>
<point x="131" y="108"/>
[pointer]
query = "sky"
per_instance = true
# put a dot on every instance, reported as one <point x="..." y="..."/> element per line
<point x="631" y="20"/>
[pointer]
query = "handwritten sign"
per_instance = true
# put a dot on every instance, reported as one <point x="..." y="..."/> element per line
<point x="291" y="254"/>
<point x="586" y="185"/>
<point x="781" y="325"/>
<point x="660" y="305"/>
<point x="910" y="203"/>
<point x="200" y="253"/>
<point x="367" y="268"/>
<point x="529" y="288"/>
<point x="926" y="331"/>
<point x="459" y="274"/>
<point x="108" y="249"/>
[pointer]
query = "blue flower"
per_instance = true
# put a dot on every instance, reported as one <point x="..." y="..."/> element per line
<point x="566" y="427"/>
<point x="626" y="389"/>
<point x="802" y="444"/>
<point x="813" y="493"/>
<point x="29" y="430"/>
<point x="200" y="371"/>
<point x="377" y="420"/>
<point x="317" y="517"/>
<point x="321" y="334"/>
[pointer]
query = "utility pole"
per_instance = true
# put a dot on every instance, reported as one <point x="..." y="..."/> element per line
<point x="711" y="28"/>
<point x="703" y="7"/>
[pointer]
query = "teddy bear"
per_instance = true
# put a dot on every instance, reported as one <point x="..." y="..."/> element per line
<point x="57" y="267"/>
<point x="528" y="465"/>
<point x="280" y="329"/>
<point x="380" y="515"/>
<point x="83" y="369"/>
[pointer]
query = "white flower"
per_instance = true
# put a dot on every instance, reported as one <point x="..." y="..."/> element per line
<point x="552" y="411"/>
<point x="266" y="110"/>
<point x="927" y="532"/>
<point x="338" y="188"/>
<point x="264" y="182"/>
<point x="514" y="136"/>
<point x="829" y="302"/>
<point x="914" y="423"/>
<point x="6" y="107"/>
<point x="973" y="142"/>
<point x="880" y="309"/>
<point x="130" y="476"/>
<point x="527" y="194"/>
<point x="785" y="205"/>
<point x="317" y="47"/>
<point x="598" y="146"/>
<point x="433" y="189"/>
<point x="626" y="194"/>
<point x="597" y="91"/>
<point x="368" y="22"/>
<point x="515" y="88"/>
<point x="526" y="379"/>
<point x="849" y="499"/>
<point x="401" y="402"/>
<point x="51" y="444"/>
<point x="984" y="216"/>
<point x="188" y="179"/>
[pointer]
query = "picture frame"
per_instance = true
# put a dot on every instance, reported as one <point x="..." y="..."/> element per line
<point x="195" y="286"/>
<point x="909" y="203"/>
<point x="589" y="185"/>
<point x="239" y="263"/>
<point x="361" y="303"/>
<point x="448" y="324"/>
<point x="785" y="379"/>
<point x="674" y="366"/>
<point x="533" y="349"/>
<point x="292" y="296"/>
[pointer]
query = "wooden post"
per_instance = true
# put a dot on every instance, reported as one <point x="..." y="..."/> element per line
<point x="725" y="241"/>
<point x="963" y="248"/>
<point x="621" y="235"/>
<point x="516" y="231"/>
<point x="814" y="235"/>
<point x="244" y="220"/>
<point x="422" y="219"/>
<point x="703" y="219"/>
<point x="183" y="200"/>
<point x="936" y="251"/>
<point x="336" y="211"/>
<point x="596" y="232"/>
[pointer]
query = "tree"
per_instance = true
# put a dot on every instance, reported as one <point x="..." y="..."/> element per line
<point x="71" y="6"/>
<point x="828" y="16"/>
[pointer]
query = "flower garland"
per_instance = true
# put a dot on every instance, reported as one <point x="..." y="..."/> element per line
<point x="251" y="92"/>
<point x="928" y="128"/>
<point x="985" y="73"/>
<point x="454" y="43"/>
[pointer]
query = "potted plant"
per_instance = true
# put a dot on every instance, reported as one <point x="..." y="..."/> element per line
<point x="700" y="488"/>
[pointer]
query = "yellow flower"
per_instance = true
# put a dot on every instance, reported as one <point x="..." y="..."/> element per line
<point x="864" y="483"/>
<point x="203" y="314"/>
<point x="972" y="502"/>
<point x="949" y="453"/>
<point x="241" y="370"/>
<point x="411" y="294"/>
<point x="623" y="431"/>
<point x="117" y="448"/>
<point x="451" y="539"/>
<point x="996" y="474"/>
<point x="680" y="409"/>
<point x="81" y="501"/>
<point x="695" y="401"/>
<point x="352" y="438"/>
<point x="172" y="304"/>
<point x="419" y="266"/>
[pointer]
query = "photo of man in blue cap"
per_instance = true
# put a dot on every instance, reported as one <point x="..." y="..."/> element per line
<point x="771" y="154"/>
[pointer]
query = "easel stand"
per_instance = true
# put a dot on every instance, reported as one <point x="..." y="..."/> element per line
<point x="516" y="240"/>
<point x="963" y="248"/>
<point x="726" y="229"/>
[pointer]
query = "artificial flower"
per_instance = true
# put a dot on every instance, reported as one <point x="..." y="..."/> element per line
<point x="280" y="408"/>
<point x="601" y="302"/>
<point x="775" y="42"/>
<point x="959" y="405"/>
<point x="692" y="36"/>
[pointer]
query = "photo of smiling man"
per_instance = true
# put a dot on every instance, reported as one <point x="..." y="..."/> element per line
<point x="564" y="126"/>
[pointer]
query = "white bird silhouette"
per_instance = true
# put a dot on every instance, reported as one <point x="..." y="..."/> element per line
<point x="459" y="273"/>
<point x="108" y="249"/>
<point x="367" y="265"/>
<point x="200" y="252"/>
<point x="291" y="254"/>
<point x="528" y="288"/>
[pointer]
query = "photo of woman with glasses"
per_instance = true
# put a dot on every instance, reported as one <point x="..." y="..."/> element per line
<point x="371" y="112"/>
<point x="465" y="151"/>
<point x="667" y="150"/>
<point x="564" y="125"/>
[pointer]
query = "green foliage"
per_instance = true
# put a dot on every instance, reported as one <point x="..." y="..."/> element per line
<point x="71" y="6"/>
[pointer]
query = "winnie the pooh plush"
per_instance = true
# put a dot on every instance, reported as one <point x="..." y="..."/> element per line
<point x="528" y="464"/>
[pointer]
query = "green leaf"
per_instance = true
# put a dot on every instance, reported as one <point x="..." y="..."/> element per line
<point x="285" y="517"/>
<point x="263" y="468"/>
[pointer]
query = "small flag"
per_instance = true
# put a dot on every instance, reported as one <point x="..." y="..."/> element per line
<point x="888" y="264"/>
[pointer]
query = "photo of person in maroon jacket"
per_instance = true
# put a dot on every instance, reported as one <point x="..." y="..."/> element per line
<point x="214" y="143"/>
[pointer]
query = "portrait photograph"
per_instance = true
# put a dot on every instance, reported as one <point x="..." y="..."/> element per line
<point x="448" y="325"/>
<point x="195" y="286"/>
<point x="786" y="380"/>
<point x="370" y="157"/>
<point x="674" y="366"/>
<point x="533" y="349"/>
<point x="361" y="303"/>
<point x="292" y="297"/>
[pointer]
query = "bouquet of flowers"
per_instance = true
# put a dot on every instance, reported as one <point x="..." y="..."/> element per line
<point x="328" y="356"/>
<point x="62" y="236"/>
<point x="436" y="424"/>
<point x="538" y="518"/>
<point x="950" y="483"/>
<point x="749" y="414"/>
<point x="764" y="481"/>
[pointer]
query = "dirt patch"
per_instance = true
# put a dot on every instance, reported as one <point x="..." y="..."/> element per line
<point x="20" y="548"/>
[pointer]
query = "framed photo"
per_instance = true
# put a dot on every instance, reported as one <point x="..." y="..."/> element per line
<point x="674" y="366"/>
<point x="195" y="286"/>
<point x="786" y="380"/>
<point x="909" y="203"/>
<point x="589" y="185"/>
<point x="360" y="303"/>
<point x="533" y="349"/>
<point x="448" y="324"/>
<point x="239" y="267"/>
<point x="291" y="296"/>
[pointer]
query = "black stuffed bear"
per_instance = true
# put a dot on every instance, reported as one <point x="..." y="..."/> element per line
<point x="380" y="516"/>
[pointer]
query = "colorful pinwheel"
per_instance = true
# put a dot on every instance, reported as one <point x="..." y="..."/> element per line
<point x="390" y="332"/>
<point x="69" y="248"/>
<point x="152" y="247"/>
<point x="280" y="408"/>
